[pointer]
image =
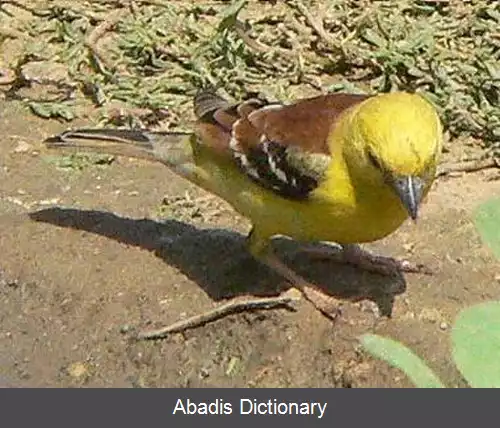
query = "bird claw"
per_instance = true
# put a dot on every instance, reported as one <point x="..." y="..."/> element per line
<point x="409" y="267"/>
<point x="365" y="260"/>
<point x="387" y="265"/>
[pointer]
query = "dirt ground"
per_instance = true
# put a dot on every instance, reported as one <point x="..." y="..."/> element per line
<point x="89" y="257"/>
<point x="86" y="260"/>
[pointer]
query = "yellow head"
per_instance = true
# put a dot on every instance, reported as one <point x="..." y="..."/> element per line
<point x="396" y="139"/>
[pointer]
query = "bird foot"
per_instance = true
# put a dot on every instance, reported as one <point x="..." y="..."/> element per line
<point x="356" y="256"/>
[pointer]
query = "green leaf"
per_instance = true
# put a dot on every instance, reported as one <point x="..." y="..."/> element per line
<point x="63" y="112"/>
<point x="373" y="38"/>
<point x="487" y="219"/>
<point x="41" y="109"/>
<point x="476" y="345"/>
<point x="399" y="356"/>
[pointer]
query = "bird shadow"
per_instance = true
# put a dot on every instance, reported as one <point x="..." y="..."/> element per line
<point x="217" y="259"/>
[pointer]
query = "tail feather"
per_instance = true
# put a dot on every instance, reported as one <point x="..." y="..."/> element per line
<point x="206" y="102"/>
<point x="170" y="148"/>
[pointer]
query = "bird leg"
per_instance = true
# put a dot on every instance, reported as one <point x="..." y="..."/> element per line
<point x="327" y="305"/>
<point x="354" y="255"/>
<point x="260" y="249"/>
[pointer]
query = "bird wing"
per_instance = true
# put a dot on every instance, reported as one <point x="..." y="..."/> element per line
<point x="283" y="148"/>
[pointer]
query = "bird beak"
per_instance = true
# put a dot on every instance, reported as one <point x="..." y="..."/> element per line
<point x="410" y="190"/>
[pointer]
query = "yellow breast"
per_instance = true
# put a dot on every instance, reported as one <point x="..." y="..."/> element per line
<point x="338" y="211"/>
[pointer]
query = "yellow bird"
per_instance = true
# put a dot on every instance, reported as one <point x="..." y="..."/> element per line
<point x="340" y="168"/>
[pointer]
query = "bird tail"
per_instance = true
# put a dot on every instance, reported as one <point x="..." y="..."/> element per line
<point x="173" y="149"/>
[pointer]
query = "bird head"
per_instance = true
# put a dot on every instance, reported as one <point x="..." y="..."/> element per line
<point x="398" y="137"/>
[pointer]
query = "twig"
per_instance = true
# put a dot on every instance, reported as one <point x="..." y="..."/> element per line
<point x="217" y="313"/>
<point x="123" y="3"/>
<point x="16" y="4"/>
<point x="239" y="28"/>
<point x="285" y="54"/>
<point x="468" y="166"/>
<point x="92" y="40"/>
<point x="316" y="25"/>
<point x="11" y="33"/>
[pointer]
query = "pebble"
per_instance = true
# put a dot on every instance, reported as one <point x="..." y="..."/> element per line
<point x="430" y="315"/>
<point x="23" y="147"/>
<point x="78" y="370"/>
<point x="52" y="201"/>
<point x="409" y="247"/>
<point x="25" y="375"/>
<point x="204" y="373"/>
<point x="17" y="201"/>
<point x="125" y="328"/>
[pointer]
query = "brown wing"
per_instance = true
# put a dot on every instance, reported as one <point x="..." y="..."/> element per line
<point x="282" y="147"/>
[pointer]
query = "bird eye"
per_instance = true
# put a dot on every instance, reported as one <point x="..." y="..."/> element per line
<point x="374" y="160"/>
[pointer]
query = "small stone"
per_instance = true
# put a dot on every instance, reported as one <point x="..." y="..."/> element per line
<point x="370" y="307"/>
<point x="23" y="147"/>
<point x="409" y="315"/>
<point x="53" y="201"/>
<point x="125" y="328"/>
<point x="78" y="370"/>
<point x="443" y="326"/>
<point x="11" y="283"/>
<point x="25" y="375"/>
<point x="409" y="247"/>
<point x="430" y="315"/>
<point x="41" y="71"/>
<point x="204" y="373"/>
<point x="16" y="201"/>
